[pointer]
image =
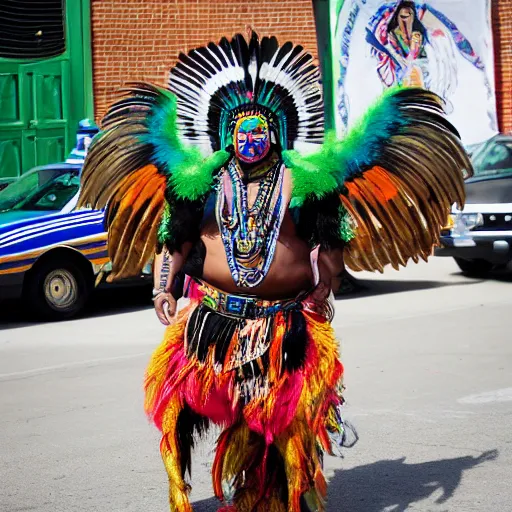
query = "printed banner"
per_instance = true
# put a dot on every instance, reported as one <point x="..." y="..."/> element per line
<point x="442" y="45"/>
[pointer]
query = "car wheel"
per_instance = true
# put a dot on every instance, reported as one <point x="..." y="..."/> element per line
<point x="474" y="267"/>
<point x="57" y="290"/>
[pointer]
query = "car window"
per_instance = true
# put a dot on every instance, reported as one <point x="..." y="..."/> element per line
<point x="494" y="159"/>
<point x="54" y="194"/>
<point x="18" y="190"/>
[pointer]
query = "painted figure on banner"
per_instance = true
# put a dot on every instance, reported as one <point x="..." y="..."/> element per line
<point x="416" y="45"/>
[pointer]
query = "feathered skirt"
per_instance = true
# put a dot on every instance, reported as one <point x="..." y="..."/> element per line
<point x="268" y="372"/>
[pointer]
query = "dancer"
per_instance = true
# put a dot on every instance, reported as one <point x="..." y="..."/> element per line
<point x="228" y="169"/>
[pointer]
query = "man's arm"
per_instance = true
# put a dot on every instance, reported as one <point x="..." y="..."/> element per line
<point x="333" y="261"/>
<point x="167" y="267"/>
<point x="161" y="268"/>
<point x="330" y="266"/>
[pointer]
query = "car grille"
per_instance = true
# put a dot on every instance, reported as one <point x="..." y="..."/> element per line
<point x="496" y="222"/>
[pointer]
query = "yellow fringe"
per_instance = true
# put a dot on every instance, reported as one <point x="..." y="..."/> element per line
<point x="156" y="370"/>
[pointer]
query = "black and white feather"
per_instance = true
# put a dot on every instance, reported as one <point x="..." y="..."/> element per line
<point x="215" y="81"/>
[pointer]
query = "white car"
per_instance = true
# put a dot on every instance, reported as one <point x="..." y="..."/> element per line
<point x="480" y="236"/>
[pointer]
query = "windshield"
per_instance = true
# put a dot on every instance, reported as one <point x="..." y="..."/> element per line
<point x="494" y="159"/>
<point x="44" y="189"/>
<point x="18" y="190"/>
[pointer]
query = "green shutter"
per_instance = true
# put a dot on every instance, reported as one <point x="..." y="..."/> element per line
<point x="42" y="100"/>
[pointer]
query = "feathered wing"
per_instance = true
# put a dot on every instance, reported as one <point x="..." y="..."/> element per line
<point x="135" y="163"/>
<point x="397" y="173"/>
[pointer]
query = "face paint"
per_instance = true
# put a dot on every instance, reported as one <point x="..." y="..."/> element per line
<point x="251" y="138"/>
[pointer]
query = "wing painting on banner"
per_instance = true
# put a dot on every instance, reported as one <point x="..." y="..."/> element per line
<point x="418" y="44"/>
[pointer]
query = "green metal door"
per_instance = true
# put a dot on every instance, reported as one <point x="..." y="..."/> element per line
<point x="42" y="99"/>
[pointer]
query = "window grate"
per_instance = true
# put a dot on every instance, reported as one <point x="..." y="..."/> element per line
<point x="31" y="29"/>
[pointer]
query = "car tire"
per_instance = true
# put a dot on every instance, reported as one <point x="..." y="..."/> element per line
<point x="474" y="267"/>
<point x="57" y="289"/>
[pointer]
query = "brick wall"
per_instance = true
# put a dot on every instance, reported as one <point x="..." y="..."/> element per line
<point x="502" y="23"/>
<point x="140" y="39"/>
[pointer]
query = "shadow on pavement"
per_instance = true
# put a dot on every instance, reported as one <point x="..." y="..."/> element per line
<point x="395" y="485"/>
<point x="371" y="287"/>
<point x="389" y="484"/>
<point x="502" y="276"/>
<point x="104" y="301"/>
<point x="114" y="300"/>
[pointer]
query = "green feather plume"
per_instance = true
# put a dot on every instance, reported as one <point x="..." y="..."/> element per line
<point x="338" y="160"/>
<point x="193" y="177"/>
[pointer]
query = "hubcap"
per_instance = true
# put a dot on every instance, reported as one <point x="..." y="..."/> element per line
<point x="60" y="289"/>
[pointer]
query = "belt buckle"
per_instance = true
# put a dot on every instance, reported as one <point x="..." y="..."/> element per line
<point x="236" y="305"/>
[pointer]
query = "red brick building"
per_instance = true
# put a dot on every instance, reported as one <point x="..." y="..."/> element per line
<point x="502" y="29"/>
<point x="140" y="39"/>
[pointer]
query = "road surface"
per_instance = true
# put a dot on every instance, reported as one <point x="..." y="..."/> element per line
<point x="428" y="357"/>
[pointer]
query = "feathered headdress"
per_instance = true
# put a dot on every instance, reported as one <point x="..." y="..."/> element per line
<point x="215" y="83"/>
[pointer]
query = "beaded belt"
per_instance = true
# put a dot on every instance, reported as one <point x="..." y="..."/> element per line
<point x="244" y="306"/>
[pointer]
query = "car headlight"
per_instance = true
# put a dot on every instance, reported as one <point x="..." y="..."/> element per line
<point x="460" y="223"/>
<point x="472" y="220"/>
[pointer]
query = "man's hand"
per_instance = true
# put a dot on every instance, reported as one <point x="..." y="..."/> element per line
<point x="165" y="307"/>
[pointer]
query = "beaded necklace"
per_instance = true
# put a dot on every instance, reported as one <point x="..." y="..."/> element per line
<point x="250" y="234"/>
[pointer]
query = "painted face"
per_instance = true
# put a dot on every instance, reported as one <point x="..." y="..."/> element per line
<point x="251" y="138"/>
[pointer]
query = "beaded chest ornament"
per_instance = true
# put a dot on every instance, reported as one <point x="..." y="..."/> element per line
<point x="250" y="233"/>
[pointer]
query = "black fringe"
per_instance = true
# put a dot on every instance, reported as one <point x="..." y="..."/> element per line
<point x="295" y="341"/>
<point x="184" y="222"/>
<point x="318" y="222"/>
<point x="207" y="327"/>
<point x="188" y="424"/>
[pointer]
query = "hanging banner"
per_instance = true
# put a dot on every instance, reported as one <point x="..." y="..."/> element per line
<point x="442" y="45"/>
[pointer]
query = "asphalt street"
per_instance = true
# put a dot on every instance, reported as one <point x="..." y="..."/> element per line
<point x="428" y="358"/>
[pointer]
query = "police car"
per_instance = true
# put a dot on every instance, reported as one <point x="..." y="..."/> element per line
<point x="50" y="254"/>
